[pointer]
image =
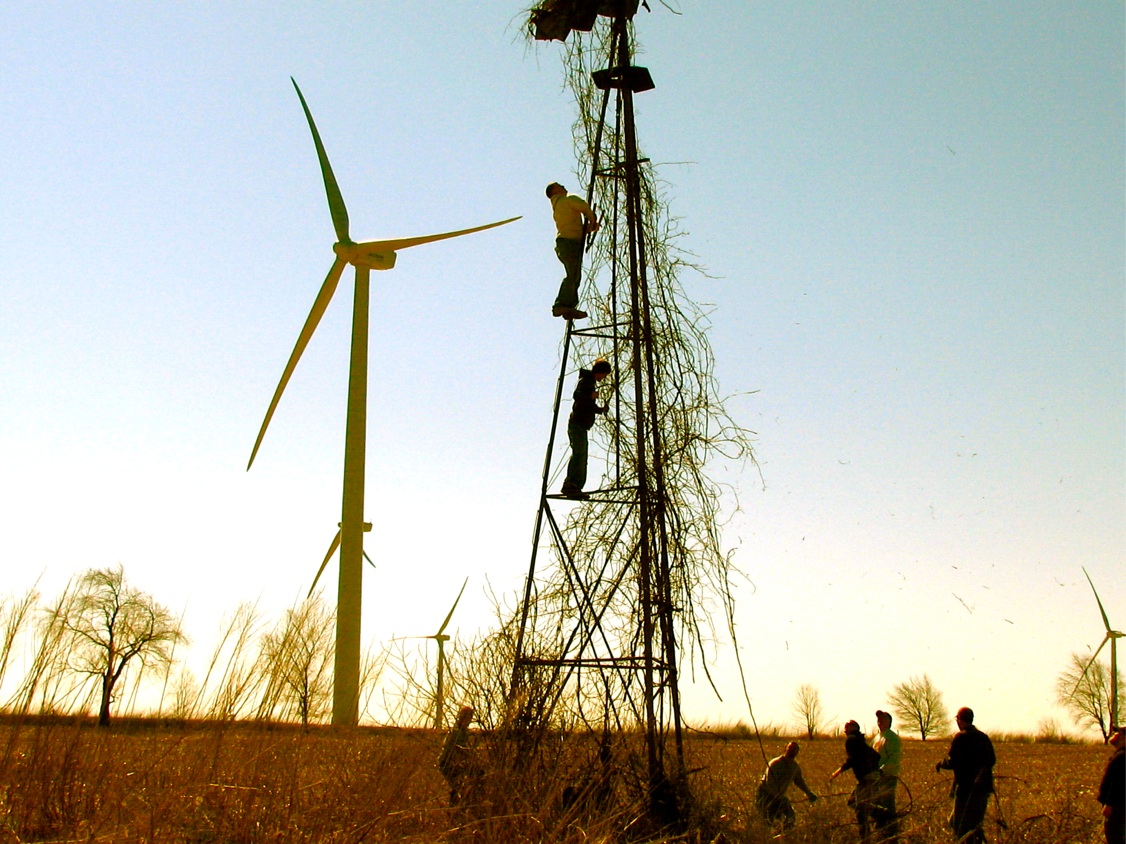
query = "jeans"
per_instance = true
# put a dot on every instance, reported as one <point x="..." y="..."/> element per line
<point x="570" y="253"/>
<point x="576" y="468"/>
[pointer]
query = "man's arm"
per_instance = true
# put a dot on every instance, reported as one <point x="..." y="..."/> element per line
<point x="590" y="221"/>
<point x="799" y="781"/>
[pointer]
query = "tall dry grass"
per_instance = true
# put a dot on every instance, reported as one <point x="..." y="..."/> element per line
<point x="162" y="781"/>
<point x="240" y="775"/>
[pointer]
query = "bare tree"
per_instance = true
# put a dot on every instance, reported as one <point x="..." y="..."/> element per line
<point x="113" y="625"/>
<point x="185" y="695"/>
<point x="919" y="704"/>
<point x="296" y="660"/>
<point x="1084" y="691"/>
<point x="808" y="710"/>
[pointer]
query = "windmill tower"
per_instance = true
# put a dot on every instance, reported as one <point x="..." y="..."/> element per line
<point x="364" y="257"/>
<point x="610" y="583"/>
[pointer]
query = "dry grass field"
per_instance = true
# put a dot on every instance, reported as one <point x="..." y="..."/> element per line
<point x="144" y="781"/>
<point x="1045" y="791"/>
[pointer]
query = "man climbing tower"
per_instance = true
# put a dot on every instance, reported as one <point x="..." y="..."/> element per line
<point x="583" y="411"/>
<point x="574" y="220"/>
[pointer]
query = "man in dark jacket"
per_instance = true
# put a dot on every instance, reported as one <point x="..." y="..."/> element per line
<point x="864" y="762"/>
<point x="971" y="758"/>
<point x="1112" y="789"/>
<point x="583" y="411"/>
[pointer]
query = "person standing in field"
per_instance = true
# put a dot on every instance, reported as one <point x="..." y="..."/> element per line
<point x="456" y="759"/>
<point x="1112" y="789"/>
<point x="971" y="758"/>
<point x="864" y="762"/>
<point x="574" y="220"/>
<point x="781" y="772"/>
<point x="890" y="748"/>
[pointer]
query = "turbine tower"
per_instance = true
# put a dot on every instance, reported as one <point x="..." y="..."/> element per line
<point x="365" y="256"/>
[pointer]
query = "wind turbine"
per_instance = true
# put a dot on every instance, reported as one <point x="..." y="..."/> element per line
<point x="441" y="638"/>
<point x="365" y="256"/>
<point x="1111" y="636"/>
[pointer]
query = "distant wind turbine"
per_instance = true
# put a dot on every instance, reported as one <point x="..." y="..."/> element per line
<point x="366" y="256"/>
<point x="441" y="638"/>
<point x="1111" y="636"/>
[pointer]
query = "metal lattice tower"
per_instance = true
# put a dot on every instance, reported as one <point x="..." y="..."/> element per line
<point x="597" y="626"/>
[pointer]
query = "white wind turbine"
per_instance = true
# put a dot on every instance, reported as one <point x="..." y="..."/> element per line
<point x="441" y="638"/>
<point x="365" y="256"/>
<point x="1111" y="636"/>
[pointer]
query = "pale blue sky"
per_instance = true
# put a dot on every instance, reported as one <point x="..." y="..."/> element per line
<point x="912" y="215"/>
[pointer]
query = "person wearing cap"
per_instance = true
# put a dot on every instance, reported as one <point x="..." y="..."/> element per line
<point x="583" y="411"/>
<point x="971" y="758"/>
<point x="890" y="748"/>
<point x="781" y="772"/>
<point x="574" y="220"/>
<point x="864" y="762"/>
<point x="1112" y="789"/>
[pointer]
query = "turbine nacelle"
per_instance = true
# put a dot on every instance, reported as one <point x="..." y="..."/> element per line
<point x="369" y="256"/>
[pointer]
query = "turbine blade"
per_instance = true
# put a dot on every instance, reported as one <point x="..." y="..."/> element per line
<point x="406" y="242"/>
<point x="454" y="607"/>
<point x="331" y="550"/>
<point x="335" y="200"/>
<point x="1090" y="662"/>
<point x="1106" y="621"/>
<point x="311" y="322"/>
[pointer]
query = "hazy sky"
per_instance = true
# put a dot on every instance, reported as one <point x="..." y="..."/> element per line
<point x="912" y="217"/>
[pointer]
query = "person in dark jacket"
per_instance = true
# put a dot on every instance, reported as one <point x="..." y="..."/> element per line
<point x="583" y="412"/>
<point x="864" y="762"/>
<point x="1112" y="789"/>
<point x="971" y="758"/>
